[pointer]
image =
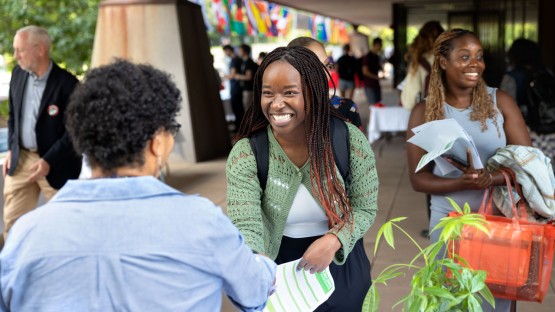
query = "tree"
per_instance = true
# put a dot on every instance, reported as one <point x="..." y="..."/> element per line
<point x="71" y="24"/>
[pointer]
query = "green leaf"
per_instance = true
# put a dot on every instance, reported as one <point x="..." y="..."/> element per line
<point x="403" y="300"/>
<point x="455" y="205"/>
<point x="439" y="292"/>
<point x="389" y="273"/>
<point x="466" y="208"/>
<point x="372" y="300"/>
<point x="388" y="235"/>
<point x="423" y="303"/>
<point x="488" y="296"/>
<point x="398" y="219"/>
<point x="385" y="227"/>
<point x="433" y="249"/>
<point x="473" y="304"/>
<point x="478" y="281"/>
<point x="466" y="279"/>
<point x="481" y="227"/>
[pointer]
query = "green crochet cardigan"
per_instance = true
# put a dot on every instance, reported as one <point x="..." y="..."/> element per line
<point x="261" y="217"/>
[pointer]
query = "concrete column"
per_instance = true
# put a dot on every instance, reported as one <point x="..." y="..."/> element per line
<point x="170" y="35"/>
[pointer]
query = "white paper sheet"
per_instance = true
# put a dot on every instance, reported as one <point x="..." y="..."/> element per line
<point x="444" y="137"/>
<point x="299" y="290"/>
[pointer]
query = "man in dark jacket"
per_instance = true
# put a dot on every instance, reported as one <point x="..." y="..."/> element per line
<point x="40" y="156"/>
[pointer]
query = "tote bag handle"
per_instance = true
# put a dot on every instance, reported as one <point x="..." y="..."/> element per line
<point x="486" y="208"/>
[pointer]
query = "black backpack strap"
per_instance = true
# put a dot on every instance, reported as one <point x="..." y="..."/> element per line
<point x="261" y="150"/>
<point x="339" y="135"/>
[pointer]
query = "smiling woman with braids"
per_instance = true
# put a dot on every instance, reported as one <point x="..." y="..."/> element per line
<point x="490" y="116"/>
<point x="303" y="211"/>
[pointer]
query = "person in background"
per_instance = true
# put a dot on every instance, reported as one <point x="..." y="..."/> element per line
<point x="303" y="211"/>
<point x="218" y="85"/>
<point x="345" y="107"/>
<point x="245" y="76"/>
<point x="236" y="92"/>
<point x="346" y="68"/>
<point x="490" y="116"/>
<point x="123" y="240"/>
<point x="359" y="42"/>
<point x="420" y="58"/>
<point x="371" y="66"/>
<point x="261" y="57"/>
<point x="524" y="62"/>
<point x="40" y="156"/>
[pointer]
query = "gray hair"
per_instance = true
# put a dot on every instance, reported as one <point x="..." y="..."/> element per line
<point x="36" y="34"/>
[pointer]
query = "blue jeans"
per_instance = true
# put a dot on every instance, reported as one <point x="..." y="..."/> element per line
<point x="372" y="95"/>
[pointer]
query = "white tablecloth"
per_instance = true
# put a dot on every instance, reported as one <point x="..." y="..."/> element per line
<point x="386" y="119"/>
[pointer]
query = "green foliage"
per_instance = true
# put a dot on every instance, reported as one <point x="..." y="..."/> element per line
<point x="3" y="113"/>
<point x="443" y="283"/>
<point x="71" y="23"/>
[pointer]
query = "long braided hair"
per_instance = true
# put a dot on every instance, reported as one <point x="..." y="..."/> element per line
<point x="314" y="80"/>
<point x="482" y="103"/>
<point x="423" y="43"/>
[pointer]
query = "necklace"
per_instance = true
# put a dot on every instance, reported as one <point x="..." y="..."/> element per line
<point x="459" y="109"/>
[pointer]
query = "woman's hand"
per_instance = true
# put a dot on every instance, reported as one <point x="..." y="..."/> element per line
<point x="474" y="179"/>
<point x="320" y="254"/>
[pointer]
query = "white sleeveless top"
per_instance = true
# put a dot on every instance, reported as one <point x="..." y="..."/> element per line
<point x="306" y="218"/>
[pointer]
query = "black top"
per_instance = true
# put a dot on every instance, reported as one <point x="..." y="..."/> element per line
<point x="347" y="67"/>
<point x="247" y="65"/>
<point x="236" y="64"/>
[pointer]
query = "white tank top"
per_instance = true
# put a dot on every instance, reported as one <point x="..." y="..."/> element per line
<point x="305" y="218"/>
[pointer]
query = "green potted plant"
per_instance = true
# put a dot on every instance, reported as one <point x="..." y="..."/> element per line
<point x="442" y="283"/>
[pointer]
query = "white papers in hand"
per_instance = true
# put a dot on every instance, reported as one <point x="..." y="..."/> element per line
<point x="444" y="137"/>
<point x="299" y="290"/>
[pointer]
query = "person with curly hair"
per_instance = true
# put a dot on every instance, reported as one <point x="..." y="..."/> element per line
<point x="490" y="116"/>
<point x="303" y="211"/>
<point x="123" y="240"/>
<point x="420" y="58"/>
<point x="415" y="84"/>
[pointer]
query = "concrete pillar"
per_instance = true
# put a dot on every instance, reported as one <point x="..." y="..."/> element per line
<point x="170" y="35"/>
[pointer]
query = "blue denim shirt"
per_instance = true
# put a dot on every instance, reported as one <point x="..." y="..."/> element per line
<point x="129" y="244"/>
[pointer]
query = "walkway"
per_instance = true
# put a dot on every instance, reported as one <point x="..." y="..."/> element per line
<point x="396" y="198"/>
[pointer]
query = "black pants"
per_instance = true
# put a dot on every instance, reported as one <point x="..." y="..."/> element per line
<point x="352" y="279"/>
<point x="237" y="105"/>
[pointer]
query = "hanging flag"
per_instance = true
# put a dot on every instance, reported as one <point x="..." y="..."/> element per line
<point x="273" y="17"/>
<point x="327" y="27"/>
<point x="221" y="16"/>
<point x="319" y="29"/>
<point x="253" y="24"/>
<point x="262" y="18"/>
<point x="238" y="23"/>
<point x="284" y="22"/>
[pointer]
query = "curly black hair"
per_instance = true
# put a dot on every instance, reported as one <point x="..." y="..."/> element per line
<point x="117" y="110"/>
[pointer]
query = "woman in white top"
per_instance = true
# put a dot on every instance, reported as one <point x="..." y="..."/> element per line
<point x="420" y="58"/>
